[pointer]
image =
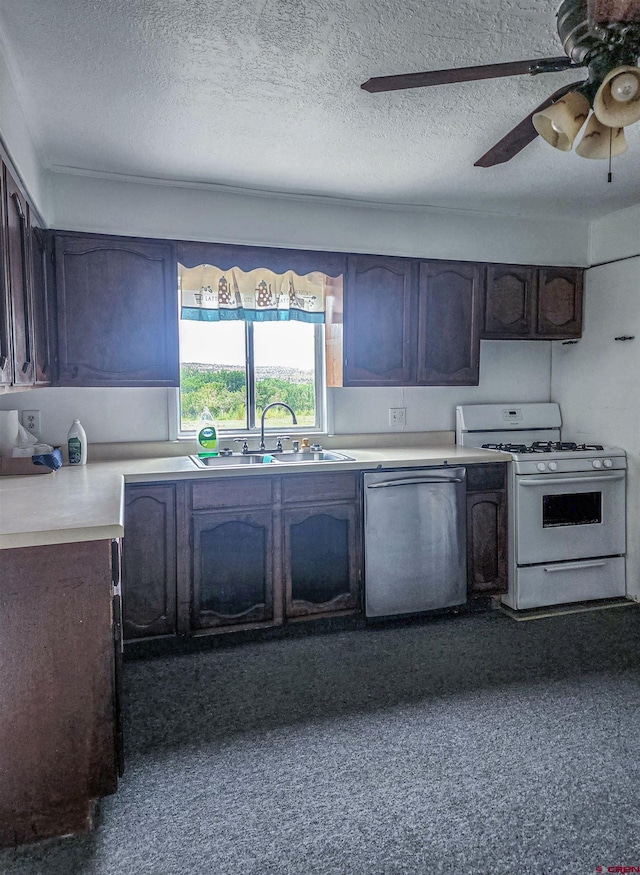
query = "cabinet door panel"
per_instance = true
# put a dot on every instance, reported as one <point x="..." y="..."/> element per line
<point x="41" y="302"/>
<point x="559" y="312"/>
<point x="18" y="271"/>
<point x="232" y="568"/>
<point x="510" y="294"/>
<point x="117" y="312"/>
<point x="448" y="327"/>
<point x="150" y="577"/>
<point x="6" y="369"/>
<point x="321" y="560"/>
<point x="487" y="542"/>
<point x="379" y="335"/>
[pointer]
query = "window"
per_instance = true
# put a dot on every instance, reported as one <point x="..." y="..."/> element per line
<point x="237" y="367"/>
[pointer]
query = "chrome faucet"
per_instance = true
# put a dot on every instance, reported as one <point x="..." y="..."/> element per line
<point x="268" y="407"/>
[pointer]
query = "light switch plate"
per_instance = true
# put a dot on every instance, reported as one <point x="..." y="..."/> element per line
<point x="31" y="421"/>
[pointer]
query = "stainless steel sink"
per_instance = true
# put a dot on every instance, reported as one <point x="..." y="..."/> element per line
<point x="320" y="456"/>
<point x="239" y="460"/>
<point x="235" y="461"/>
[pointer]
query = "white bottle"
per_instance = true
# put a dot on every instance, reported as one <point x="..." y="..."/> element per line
<point x="77" y="444"/>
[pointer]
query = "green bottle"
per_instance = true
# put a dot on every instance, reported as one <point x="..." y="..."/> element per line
<point x="207" y="434"/>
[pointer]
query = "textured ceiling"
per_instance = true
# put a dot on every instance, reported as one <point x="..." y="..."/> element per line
<point x="265" y="94"/>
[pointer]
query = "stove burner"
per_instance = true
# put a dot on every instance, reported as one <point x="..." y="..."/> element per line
<point x="545" y="447"/>
<point x="563" y="447"/>
<point x="508" y="448"/>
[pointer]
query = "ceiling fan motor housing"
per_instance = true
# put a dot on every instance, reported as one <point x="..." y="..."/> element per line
<point x="596" y="46"/>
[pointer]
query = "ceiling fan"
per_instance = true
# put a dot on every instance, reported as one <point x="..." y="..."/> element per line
<point x="602" y="36"/>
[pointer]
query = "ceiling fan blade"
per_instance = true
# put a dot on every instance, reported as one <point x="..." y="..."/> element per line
<point x="522" y="134"/>
<point x="608" y="11"/>
<point x="466" y="74"/>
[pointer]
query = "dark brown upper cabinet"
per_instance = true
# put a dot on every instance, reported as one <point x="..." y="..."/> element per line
<point x="6" y="360"/>
<point x="41" y="289"/>
<point x="117" y="311"/>
<point x="411" y="323"/>
<point x="380" y="335"/>
<point x="449" y="315"/>
<point x="533" y="303"/>
<point x="559" y="304"/>
<point x="18" y="277"/>
<point x="509" y="300"/>
<point x="247" y="258"/>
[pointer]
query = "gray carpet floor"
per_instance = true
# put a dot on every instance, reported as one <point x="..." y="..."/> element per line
<point x="470" y="744"/>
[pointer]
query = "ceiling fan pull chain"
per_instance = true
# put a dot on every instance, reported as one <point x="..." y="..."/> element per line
<point x="610" y="175"/>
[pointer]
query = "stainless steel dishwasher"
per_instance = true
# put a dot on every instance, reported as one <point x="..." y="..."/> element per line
<point x="415" y="543"/>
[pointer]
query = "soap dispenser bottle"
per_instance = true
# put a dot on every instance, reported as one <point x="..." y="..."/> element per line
<point x="77" y="444"/>
<point x="207" y="434"/>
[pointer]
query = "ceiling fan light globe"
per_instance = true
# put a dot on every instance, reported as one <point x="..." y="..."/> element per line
<point x="617" y="100"/>
<point x="624" y="87"/>
<point x="559" y="123"/>
<point x="598" y="141"/>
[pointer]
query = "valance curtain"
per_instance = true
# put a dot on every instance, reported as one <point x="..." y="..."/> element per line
<point x="208" y="294"/>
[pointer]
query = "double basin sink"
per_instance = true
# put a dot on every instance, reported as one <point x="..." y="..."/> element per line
<point x="239" y="460"/>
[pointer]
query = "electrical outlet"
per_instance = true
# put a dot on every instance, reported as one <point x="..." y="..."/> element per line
<point x="397" y="417"/>
<point x="31" y="421"/>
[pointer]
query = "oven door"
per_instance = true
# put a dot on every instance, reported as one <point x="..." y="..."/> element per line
<point x="569" y="516"/>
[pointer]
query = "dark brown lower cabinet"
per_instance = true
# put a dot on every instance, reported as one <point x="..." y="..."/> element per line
<point x="486" y="529"/>
<point x="58" y="719"/>
<point x="321" y="560"/>
<point x="486" y="542"/>
<point x="232" y="568"/>
<point x="217" y="554"/>
<point x="150" y="557"/>
<point x="283" y="547"/>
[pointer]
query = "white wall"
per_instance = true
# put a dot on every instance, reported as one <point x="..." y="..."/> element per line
<point x="90" y="203"/>
<point x="17" y="140"/>
<point x="108" y="415"/>
<point x="596" y="381"/>
<point x="615" y="236"/>
<point x="509" y="371"/>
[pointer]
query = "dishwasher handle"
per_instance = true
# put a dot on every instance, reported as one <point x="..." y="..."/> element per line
<point x="414" y="481"/>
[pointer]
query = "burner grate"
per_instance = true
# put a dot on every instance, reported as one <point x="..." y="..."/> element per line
<point x="545" y="447"/>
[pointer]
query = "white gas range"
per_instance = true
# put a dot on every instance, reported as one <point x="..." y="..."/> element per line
<point x="566" y="505"/>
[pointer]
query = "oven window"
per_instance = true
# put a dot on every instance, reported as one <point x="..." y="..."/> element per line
<point x="571" y="509"/>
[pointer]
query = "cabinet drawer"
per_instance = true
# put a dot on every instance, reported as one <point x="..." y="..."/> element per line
<point x="318" y="487"/>
<point x="240" y="492"/>
<point x="482" y="478"/>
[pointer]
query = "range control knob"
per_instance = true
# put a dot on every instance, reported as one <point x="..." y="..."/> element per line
<point x="597" y="463"/>
<point x="608" y="463"/>
<point x="553" y="466"/>
<point x="541" y="466"/>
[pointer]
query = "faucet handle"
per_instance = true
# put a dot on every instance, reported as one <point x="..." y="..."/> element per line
<point x="279" y="439"/>
<point x="243" y="441"/>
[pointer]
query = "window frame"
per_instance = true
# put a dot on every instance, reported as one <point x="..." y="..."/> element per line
<point x="176" y="432"/>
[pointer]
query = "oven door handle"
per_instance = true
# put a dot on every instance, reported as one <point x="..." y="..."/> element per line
<point x="552" y="480"/>
<point x="573" y="566"/>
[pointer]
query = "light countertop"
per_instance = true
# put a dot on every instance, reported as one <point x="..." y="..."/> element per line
<point x="86" y="503"/>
